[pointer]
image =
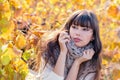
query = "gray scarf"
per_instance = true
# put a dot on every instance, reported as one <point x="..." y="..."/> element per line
<point x="73" y="53"/>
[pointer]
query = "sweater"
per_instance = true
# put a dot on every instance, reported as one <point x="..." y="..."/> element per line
<point x="49" y="74"/>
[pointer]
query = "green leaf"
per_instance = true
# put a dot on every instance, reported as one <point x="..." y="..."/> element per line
<point x="2" y="1"/>
<point x="2" y="78"/>
<point x="0" y="50"/>
<point x="5" y="59"/>
<point x="2" y="72"/>
<point x="26" y="55"/>
<point x="3" y="21"/>
<point x="4" y="25"/>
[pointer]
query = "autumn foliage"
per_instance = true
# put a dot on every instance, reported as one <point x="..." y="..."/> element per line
<point x="24" y="22"/>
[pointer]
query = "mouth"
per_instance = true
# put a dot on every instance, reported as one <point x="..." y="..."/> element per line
<point x="77" y="39"/>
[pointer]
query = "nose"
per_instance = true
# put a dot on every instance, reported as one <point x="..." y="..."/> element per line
<point x="78" y="33"/>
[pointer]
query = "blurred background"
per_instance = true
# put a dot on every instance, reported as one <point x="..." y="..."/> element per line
<point x="24" y="22"/>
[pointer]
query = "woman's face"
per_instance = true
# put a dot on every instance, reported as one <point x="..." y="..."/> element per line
<point x="81" y="35"/>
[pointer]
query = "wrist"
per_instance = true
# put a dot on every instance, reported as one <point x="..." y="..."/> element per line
<point x="77" y="62"/>
<point x="63" y="52"/>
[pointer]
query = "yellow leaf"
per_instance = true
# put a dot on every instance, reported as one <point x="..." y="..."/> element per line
<point x="53" y="1"/>
<point x="20" y="41"/>
<point x="19" y="64"/>
<point x="116" y="74"/>
<point x="2" y="40"/>
<point x="104" y="62"/>
<point x="38" y="33"/>
<point x="8" y="29"/>
<point x="15" y="3"/>
<point x="24" y="4"/>
<point x="8" y="51"/>
<point x="113" y="10"/>
<point x="116" y="57"/>
<point x="28" y="1"/>
<point x="10" y="44"/>
<point x="4" y="6"/>
<point x="11" y="53"/>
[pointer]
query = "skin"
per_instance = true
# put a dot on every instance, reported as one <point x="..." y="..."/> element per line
<point x="59" y="67"/>
<point x="82" y="40"/>
<point x="84" y="34"/>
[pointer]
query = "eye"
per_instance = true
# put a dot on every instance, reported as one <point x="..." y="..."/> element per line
<point x="86" y="29"/>
<point x="75" y="27"/>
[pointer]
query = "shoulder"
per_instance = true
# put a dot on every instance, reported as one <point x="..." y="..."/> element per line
<point x="44" y="71"/>
<point x="45" y="74"/>
<point x="90" y="76"/>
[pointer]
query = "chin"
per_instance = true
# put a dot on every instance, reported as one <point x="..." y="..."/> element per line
<point x="80" y="45"/>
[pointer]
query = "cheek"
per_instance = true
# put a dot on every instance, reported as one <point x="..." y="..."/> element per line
<point x="71" y="33"/>
<point x="88" y="38"/>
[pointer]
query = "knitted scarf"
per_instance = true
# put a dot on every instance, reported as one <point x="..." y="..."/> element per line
<point x="73" y="53"/>
<point x="76" y="52"/>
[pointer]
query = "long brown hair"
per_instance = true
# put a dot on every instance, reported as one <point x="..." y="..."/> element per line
<point x="80" y="18"/>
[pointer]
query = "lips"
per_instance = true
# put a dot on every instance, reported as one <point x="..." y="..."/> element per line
<point x="77" y="39"/>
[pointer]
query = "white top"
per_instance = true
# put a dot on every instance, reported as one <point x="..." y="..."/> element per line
<point x="46" y="74"/>
<point x="49" y="74"/>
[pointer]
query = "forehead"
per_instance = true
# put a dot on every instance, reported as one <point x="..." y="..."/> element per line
<point x="83" y="20"/>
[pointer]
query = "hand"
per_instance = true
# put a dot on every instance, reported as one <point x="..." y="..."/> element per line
<point x="87" y="55"/>
<point x="63" y="39"/>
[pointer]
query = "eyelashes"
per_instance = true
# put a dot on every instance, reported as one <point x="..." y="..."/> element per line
<point x="82" y="28"/>
<point x="75" y="27"/>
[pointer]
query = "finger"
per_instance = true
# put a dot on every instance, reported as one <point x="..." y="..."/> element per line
<point x="63" y="33"/>
<point x="66" y="37"/>
<point x="66" y="40"/>
<point x="92" y="52"/>
<point x="63" y="38"/>
<point x="89" y="51"/>
<point x="85" y="52"/>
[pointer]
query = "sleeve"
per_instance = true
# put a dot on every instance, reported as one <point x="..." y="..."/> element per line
<point x="46" y="74"/>
<point x="31" y="76"/>
<point x="90" y="76"/>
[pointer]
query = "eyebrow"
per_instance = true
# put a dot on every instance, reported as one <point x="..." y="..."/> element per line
<point x="81" y="26"/>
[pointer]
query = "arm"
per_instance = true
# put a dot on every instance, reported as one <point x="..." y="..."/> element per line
<point x="46" y="73"/>
<point x="58" y="70"/>
<point x="59" y="67"/>
<point x="87" y="55"/>
<point x="74" y="69"/>
<point x="57" y="73"/>
<point x="60" y="64"/>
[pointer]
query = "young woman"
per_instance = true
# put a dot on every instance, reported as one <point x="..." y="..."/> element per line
<point x="74" y="53"/>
